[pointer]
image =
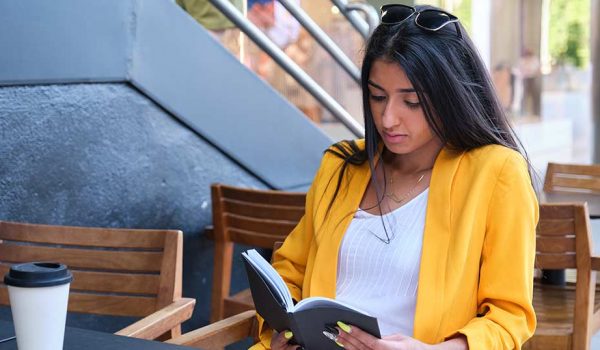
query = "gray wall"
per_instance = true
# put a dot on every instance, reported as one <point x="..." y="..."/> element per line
<point x="121" y="113"/>
<point x="162" y="51"/>
<point x="105" y="155"/>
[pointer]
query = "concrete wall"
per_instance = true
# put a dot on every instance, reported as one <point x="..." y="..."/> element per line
<point x="105" y="155"/>
<point x="163" y="52"/>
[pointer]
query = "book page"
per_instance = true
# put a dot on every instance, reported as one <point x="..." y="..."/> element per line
<point x="314" y="302"/>
<point x="271" y="276"/>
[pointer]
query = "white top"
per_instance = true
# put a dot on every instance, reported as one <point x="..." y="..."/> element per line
<point x="380" y="278"/>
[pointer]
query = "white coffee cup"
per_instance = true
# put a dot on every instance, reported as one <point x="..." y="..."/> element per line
<point x="39" y="294"/>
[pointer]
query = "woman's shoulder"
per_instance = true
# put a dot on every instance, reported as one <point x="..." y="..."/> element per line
<point x="345" y="150"/>
<point x="495" y="158"/>
<point x="493" y="154"/>
<point x="350" y="146"/>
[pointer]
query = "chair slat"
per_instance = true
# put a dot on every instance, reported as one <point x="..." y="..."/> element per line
<point x="572" y="178"/>
<point x="574" y="183"/>
<point x="116" y="282"/>
<point x="555" y="245"/>
<point x="560" y="227"/>
<point x="116" y="305"/>
<point x="261" y="211"/>
<point x="263" y="196"/>
<point x="84" y="258"/>
<point x="4" y="295"/>
<point x="555" y="261"/>
<point x="582" y="169"/>
<point x="82" y="236"/>
<point x="108" y="281"/>
<point x="255" y="239"/>
<point x="556" y="211"/>
<point x="274" y="227"/>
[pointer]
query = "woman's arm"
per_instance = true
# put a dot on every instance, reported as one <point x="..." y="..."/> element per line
<point x="506" y="316"/>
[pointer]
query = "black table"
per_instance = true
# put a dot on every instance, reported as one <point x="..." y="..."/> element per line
<point x="77" y="339"/>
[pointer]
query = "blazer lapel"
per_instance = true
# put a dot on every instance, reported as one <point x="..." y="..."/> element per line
<point x="324" y="277"/>
<point x="436" y="238"/>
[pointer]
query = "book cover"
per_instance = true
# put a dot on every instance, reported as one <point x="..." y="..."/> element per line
<point x="306" y="319"/>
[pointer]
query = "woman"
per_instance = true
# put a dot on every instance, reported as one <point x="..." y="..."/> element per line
<point x="429" y="223"/>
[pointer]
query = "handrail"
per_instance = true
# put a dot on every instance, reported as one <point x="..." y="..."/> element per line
<point x="323" y="39"/>
<point x="235" y="16"/>
<point x="370" y="13"/>
<point x="349" y="11"/>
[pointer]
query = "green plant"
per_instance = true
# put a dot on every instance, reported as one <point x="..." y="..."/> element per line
<point x="569" y="31"/>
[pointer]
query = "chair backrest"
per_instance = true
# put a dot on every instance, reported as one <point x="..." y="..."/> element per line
<point x="257" y="218"/>
<point x="562" y="234"/>
<point x="254" y="217"/>
<point x="564" y="242"/>
<point x="572" y="178"/>
<point x="122" y="272"/>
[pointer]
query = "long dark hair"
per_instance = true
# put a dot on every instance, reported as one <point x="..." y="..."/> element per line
<point x="452" y="83"/>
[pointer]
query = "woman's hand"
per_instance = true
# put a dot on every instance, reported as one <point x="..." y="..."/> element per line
<point x="279" y="341"/>
<point x="355" y="338"/>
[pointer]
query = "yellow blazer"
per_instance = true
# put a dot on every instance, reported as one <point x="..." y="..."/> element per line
<point x="477" y="263"/>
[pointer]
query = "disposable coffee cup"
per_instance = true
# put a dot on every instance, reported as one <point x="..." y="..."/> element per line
<point x="39" y="294"/>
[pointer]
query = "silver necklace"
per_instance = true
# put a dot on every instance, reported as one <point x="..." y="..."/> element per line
<point x="400" y="200"/>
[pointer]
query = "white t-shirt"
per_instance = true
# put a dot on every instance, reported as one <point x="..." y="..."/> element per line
<point x="380" y="278"/>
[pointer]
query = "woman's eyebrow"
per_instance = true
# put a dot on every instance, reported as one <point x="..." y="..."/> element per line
<point x="370" y="82"/>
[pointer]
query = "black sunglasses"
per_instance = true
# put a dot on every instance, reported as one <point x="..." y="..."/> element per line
<point x="428" y="19"/>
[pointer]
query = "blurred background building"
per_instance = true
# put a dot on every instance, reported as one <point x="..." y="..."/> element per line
<point x="538" y="53"/>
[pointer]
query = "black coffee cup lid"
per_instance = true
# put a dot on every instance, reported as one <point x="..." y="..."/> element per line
<point x="38" y="274"/>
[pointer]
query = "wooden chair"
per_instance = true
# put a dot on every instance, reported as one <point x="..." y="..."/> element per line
<point x="572" y="178"/>
<point x="567" y="315"/>
<point x="251" y="217"/>
<point x="225" y="332"/>
<point x="221" y="333"/>
<point x="120" y="272"/>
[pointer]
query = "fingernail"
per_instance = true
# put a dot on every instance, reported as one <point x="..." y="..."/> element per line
<point x="332" y="330"/>
<point x="330" y="336"/>
<point x="344" y="327"/>
<point x="288" y="335"/>
<point x="339" y="344"/>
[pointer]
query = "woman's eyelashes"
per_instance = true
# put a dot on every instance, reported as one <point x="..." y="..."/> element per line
<point x="413" y="105"/>
<point x="408" y="103"/>
<point x="377" y="98"/>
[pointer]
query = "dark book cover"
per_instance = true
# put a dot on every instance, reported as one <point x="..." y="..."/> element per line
<point x="309" y="318"/>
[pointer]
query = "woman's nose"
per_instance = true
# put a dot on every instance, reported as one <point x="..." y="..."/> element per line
<point x="390" y="118"/>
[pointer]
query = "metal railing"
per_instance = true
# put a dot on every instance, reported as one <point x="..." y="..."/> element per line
<point x="258" y="37"/>
<point x="365" y="28"/>
<point x="323" y="39"/>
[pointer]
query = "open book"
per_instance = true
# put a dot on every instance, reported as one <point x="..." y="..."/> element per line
<point x="308" y="318"/>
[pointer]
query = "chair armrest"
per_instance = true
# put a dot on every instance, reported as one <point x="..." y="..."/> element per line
<point x="221" y="333"/>
<point x="596" y="263"/>
<point x="161" y="321"/>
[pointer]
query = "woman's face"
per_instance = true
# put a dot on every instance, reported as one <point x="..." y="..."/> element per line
<point x="397" y="111"/>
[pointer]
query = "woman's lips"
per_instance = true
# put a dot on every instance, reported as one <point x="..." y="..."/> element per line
<point x="395" y="138"/>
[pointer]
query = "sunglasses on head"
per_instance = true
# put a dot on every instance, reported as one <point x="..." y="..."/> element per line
<point x="429" y="19"/>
